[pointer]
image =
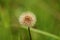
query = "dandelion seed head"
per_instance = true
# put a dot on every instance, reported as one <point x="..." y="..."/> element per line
<point x="27" y="19"/>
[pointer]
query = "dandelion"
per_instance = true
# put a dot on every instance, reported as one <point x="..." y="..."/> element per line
<point x="27" y="19"/>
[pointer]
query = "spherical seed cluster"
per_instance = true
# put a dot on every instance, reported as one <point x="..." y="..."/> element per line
<point x="27" y="19"/>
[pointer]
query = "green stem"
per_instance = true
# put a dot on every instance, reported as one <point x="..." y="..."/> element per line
<point x="44" y="33"/>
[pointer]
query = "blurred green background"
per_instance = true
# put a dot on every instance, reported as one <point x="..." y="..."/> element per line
<point x="46" y="11"/>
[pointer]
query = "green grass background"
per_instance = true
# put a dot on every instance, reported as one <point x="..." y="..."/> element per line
<point x="47" y="13"/>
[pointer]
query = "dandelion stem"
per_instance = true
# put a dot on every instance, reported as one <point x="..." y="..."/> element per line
<point x="29" y="33"/>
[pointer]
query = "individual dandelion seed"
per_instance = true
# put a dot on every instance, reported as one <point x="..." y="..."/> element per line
<point x="27" y="19"/>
